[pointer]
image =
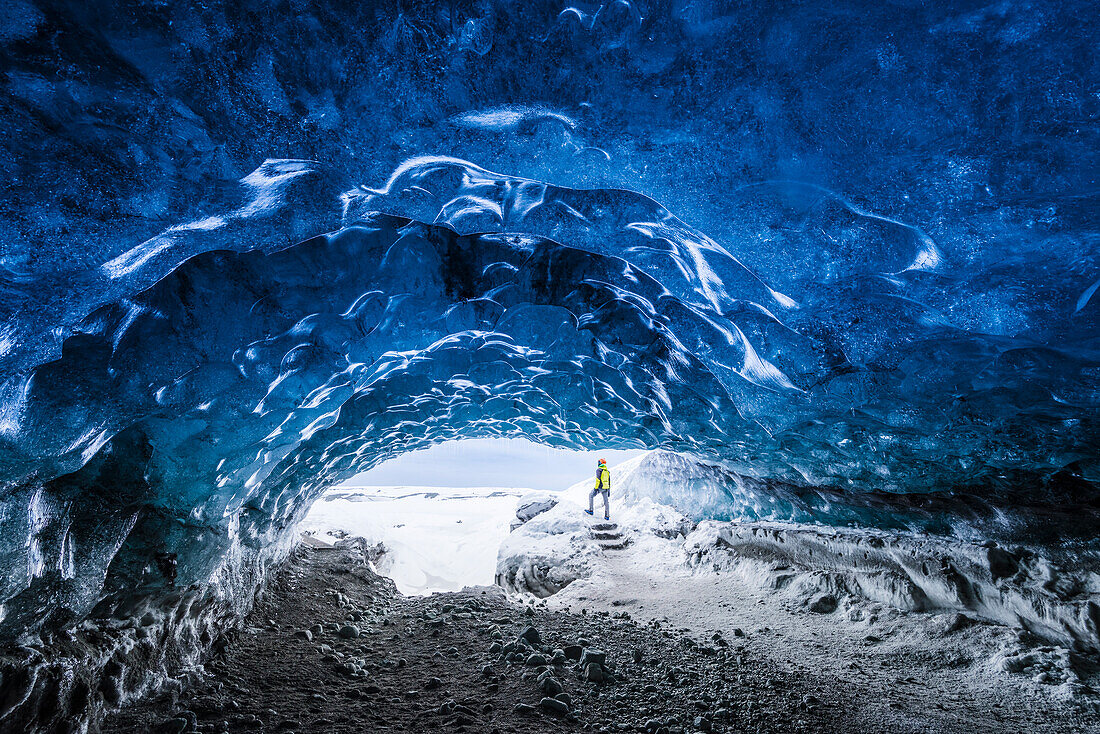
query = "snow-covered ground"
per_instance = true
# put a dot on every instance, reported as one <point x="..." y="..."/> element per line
<point x="890" y="601"/>
<point x="925" y="621"/>
<point x="436" y="538"/>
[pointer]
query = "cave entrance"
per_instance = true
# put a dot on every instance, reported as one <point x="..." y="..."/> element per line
<point x="441" y="513"/>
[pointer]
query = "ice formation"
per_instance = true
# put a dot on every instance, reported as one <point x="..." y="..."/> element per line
<point x="247" y="254"/>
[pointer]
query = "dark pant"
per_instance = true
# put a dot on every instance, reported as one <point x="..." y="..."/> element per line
<point x="606" y="495"/>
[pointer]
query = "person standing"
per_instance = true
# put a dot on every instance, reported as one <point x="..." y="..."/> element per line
<point x="603" y="487"/>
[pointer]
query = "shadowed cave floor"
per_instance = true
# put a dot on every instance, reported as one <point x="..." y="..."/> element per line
<point x="427" y="666"/>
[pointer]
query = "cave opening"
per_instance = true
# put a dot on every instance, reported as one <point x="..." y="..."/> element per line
<point x="433" y="520"/>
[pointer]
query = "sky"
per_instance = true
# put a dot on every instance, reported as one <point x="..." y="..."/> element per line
<point x="489" y="462"/>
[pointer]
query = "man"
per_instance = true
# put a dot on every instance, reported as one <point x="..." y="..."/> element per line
<point x="603" y="486"/>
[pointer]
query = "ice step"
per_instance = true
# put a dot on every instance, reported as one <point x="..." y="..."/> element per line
<point x="608" y="536"/>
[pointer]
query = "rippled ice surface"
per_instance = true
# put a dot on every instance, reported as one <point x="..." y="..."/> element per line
<point x="845" y="255"/>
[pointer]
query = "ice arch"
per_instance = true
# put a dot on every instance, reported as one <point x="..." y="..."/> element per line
<point x="169" y="416"/>
<point x="213" y="380"/>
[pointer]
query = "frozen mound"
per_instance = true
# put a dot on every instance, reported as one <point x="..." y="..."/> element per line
<point x="1052" y="592"/>
<point x="532" y="504"/>
<point x="548" y="552"/>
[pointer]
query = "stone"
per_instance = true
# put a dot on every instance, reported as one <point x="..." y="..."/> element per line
<point x="536" y="659"/>
<point x="593" y="673"/>
<point x="554" y="706"/>
<point x="573" y="652"/>
<point x="523" y="709"/>
<point x="176" y="725"/>
<point x="550" y="686"/>
<point x="592" y="655"/>
<point x="531" y="636"/>
<point x="349" y="631"/>
<point x="823" y="604"/>
<point x="305" y="635"/>
<point x="432" y="683"/>
<point x="959" y="622"/>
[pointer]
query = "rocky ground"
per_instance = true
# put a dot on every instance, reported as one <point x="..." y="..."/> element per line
<point x="332" y="647"/>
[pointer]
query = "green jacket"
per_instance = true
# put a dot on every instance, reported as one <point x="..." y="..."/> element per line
<point x="603" y="479"/>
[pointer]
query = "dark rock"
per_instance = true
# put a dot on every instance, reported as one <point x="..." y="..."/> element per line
<point x="550" y="686"/>
<point x="432" y="683"/>
<point x="593" y="673"/>
<point x="523" y="708"/>
<point x="823" y="604"/>
<point x="592" y="655"/>
<point x="176" y="725"/>
<point x="349" y="631"/>
<point x="573" y="652"/>
<point x="536" y="659"/>
<point x="554" y="706"/>
<point x="531" y="636"/>
<point x="960" y="622"/>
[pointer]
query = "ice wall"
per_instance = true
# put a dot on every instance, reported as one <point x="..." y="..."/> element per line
<point x="249" y="249"/>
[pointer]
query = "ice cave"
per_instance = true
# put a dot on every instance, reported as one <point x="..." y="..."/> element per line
<point x="830" y="271"/>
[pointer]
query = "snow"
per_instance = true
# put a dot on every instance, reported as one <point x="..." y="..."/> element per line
<point x="548" y="552"/>
<point x="436" y="538"/>
<point x="973" y="618"/>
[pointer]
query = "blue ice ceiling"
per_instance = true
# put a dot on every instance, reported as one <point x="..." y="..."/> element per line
<point x="252" y="248"/>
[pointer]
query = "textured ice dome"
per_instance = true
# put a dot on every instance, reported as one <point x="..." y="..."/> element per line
<point x="833" y="251"/>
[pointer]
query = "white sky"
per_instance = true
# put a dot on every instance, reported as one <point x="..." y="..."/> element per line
<point x="489" y="462"/>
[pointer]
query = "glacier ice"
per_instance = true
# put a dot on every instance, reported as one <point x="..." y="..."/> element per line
<point x="843" y="257"/>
